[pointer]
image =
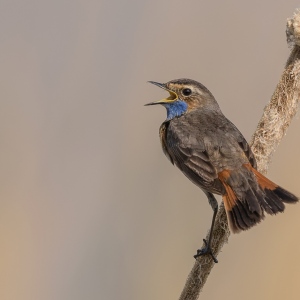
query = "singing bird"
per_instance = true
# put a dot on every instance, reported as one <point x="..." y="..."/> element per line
<point x="214" y="155"/>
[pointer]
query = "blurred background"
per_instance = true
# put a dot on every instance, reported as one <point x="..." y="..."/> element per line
<point x="90" y="207"/>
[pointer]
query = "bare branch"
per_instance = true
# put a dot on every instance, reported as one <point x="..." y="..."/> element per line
<point x="271" y="128"/>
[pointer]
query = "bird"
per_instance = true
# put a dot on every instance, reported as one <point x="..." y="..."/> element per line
<point x="212" y="153"/>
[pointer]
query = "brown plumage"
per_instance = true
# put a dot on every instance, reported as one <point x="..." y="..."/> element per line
<point x="213" y="154"/>
<point x="245" y="206"/>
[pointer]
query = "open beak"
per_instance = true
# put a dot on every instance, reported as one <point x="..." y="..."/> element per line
<point x="173" y="96"/>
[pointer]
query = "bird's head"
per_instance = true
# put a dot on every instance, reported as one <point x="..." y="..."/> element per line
<point x="185" y="95"/>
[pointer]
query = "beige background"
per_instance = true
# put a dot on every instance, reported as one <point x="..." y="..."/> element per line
<point x="90" y="207"/>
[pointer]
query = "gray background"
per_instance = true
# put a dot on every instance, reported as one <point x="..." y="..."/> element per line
<point x="90" y="207"/>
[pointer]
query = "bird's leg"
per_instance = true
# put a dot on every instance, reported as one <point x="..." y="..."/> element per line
<point x="207" y="249"/>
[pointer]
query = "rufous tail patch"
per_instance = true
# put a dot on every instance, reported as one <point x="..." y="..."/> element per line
<point x="229" y="198"/>
<point x="263" y="182"/>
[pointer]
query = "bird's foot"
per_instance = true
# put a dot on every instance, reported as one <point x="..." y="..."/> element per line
<point x="206" y="250"/>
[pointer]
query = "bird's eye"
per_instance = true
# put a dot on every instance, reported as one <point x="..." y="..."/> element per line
<point x="186" y="92"/>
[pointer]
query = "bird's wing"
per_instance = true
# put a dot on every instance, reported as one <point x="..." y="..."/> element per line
<point x="194" y="161"/>
<point x="191" y="157"/>
<point x="189" y="151"/>
<point x="248" y="152"/>
<point x="242" y="143"/>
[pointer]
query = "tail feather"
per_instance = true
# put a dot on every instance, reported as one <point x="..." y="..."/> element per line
<point x="243" y="214"/>
<point x="240" y="218"/>
<point x="251" y="196"/>
<point x="285" y="196"/>
<point x="275" y="204"/>
<point x="247" y="198"/>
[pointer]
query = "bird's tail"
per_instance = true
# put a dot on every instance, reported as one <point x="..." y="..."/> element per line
<point x="248" y="195"/>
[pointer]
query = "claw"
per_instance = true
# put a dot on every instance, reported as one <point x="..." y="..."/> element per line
<point x="205" y="250"/>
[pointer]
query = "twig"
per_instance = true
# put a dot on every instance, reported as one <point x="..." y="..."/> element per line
<point x="273" y="125"/>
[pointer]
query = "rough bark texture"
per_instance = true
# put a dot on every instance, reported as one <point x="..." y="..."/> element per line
<point x="271" y="128"/>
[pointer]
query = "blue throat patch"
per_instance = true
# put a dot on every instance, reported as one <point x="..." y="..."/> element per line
<point x="175" y="109"/>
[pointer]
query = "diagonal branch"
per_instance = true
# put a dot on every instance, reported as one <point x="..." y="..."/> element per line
<point x="271" y="128"/>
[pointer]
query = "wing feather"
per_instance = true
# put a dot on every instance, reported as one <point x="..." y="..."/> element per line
<point x="190" y="151"/>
